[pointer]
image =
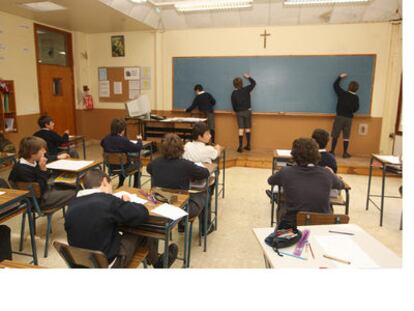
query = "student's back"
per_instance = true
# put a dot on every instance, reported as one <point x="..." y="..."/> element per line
<point x="328" y="159"/>
<point x="92" y="221"/>
<point x="120" y="144"/>
<point x="53" y="140"/>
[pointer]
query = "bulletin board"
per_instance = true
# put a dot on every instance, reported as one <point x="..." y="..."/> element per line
<point x="119" y="84"/>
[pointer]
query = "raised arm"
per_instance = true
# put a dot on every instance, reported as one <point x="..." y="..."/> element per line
<point x="252" y="84"/>
<point x="336" y="86"/>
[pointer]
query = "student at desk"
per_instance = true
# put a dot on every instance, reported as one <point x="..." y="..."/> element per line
<point x="53" y="139"/>
<point x="205" y="102"/>
<point x="31" y="168"/>
<point x="93" y="219"/>
<point x="306" y="186"/>
<point x="117" y="142"/>
<point x="170" y="170"/>
<point x="327" y="159"/>
<point x="198" y="151"/>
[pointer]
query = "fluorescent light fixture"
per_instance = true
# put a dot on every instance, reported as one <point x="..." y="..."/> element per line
<point x="207" y="5"/>
<point x="138" y="1"/>
<point x="305" y="2"/>
<point x="45" y="6"/>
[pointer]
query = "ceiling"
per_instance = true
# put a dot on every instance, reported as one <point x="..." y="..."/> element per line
<point x="93" y="16"/>
<point x="262" y="13"/>
<point x="90" y="16"/>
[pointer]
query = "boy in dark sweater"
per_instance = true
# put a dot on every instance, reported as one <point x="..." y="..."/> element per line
<point x="94" y="217"/>
<point x="170" y="170"/>
<point x="31" y="167"/>
<point x="117" y="142"/>
<point x="205" y="102"/>
<point x="53" y="139"/>
<point x="240" y="100"/>
<point x="306" y="186"/>
<point x="348" y="104"/>
<point x="327" y="159"/>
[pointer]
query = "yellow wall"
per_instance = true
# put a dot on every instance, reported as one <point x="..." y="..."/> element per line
<point x="374" y="38"/>
<point x="18" y="61"/>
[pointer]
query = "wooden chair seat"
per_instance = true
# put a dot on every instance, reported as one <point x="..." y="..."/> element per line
<point x="309" y="218"/>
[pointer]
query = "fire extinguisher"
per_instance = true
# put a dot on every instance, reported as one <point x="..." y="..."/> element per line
<point x="87" y="98"/>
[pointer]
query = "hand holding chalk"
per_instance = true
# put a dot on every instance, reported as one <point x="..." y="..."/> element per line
<point x="343" y="75"/>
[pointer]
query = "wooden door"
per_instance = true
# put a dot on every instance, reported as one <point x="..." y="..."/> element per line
<point x="55" y="76"/>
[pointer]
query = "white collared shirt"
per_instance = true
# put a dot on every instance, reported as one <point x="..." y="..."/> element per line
<point x="197" y="151"/>
<point x="25" y="162"/>
<point x="82" y="193"/>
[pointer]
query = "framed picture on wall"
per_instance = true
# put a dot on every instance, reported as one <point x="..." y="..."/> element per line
<point x="118" y="46"/>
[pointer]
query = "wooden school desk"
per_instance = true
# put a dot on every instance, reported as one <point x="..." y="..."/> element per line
<point x="7" y="157"/>
<point x="14" y="203"/>
<point x="10" y="264"/>
<point x="388" y="164"/>
<point x="361" y="249"/>
<point x="68" y="169"/>
<point x="160" y="227"/>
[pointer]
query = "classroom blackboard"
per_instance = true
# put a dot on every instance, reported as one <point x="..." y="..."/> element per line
<point x="301" y="84"/>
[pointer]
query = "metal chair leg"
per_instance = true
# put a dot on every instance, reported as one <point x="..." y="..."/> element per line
<point x="48" y="230"/>
<point x="190" y="239"/>
<point x="22" y="231"/>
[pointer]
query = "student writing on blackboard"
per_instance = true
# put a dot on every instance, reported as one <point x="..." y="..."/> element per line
<point x="204" y="102"/>
<point x="348" y="104"/>
<point x="240" y="100"/>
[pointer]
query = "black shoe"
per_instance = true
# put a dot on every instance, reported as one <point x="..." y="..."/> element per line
<point x="172" y="256"/>
<point x="212" y="228"/>
<point x="240" y="149"/>
<point x="346" y="155"/>
<point x="247" y="148"/>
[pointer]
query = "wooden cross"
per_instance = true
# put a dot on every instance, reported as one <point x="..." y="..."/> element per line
<point x="265" y="35"/>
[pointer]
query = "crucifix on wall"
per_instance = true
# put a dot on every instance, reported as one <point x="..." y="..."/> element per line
<point x="265" y="35"/>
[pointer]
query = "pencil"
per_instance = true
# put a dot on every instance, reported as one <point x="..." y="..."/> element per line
<point x="291" y="255"/>
<point x="337" y="259"/>
<point x="341" y="232"/>
<point x="310" y="248"/>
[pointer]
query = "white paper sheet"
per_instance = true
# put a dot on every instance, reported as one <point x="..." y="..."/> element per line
<point x="68" y="165"/>
<point x="2" y="192"/>
<point x="284" y="152"/>
<point x="389" y="158"/>
<point x="104" y="89"/>
<point x="117" y="88"/>
<point x="183" y="120"/>
<point x="131" y="73"/>
<point x="134" y="198"/>
<point x="169" y="211"/>
<point x="344" y="247"/>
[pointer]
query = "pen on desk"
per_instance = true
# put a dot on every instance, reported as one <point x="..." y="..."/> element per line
<point x="311" y="250"/>
<point x="341" y="232"/>
<point x="291" y="255"/>
<point x="337" y="259"/>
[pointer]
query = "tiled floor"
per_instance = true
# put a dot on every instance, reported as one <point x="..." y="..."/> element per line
<point x="245" y="207"/>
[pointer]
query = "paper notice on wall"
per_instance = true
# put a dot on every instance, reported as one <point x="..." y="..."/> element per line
<point x="117" y="88"/>
<point x="134" y="84"/>
<point x="145" y="84"/>
<point x="104" y="89"/>
<point x="103" y="74"/>
<point x="133" y="94"/>
<point x="131" y="73"/>
<point x="146" y="73"/>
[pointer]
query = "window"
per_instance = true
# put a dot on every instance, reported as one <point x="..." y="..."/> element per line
<point x="52" y="47"/>
<point x="57" y="86"/>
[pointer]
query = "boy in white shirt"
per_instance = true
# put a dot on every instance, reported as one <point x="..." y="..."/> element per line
<point x="199" y="151"/>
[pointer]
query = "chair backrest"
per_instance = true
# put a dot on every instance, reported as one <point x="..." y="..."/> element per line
<point x="309" y="218"/>
<point x="29" y="186"/>
<point x="76" y="257"/>
<point x="115" y="158"/>
<point x="4" y="183"/>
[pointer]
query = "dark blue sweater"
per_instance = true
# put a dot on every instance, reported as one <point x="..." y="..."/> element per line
<point x="120" y="144"/>
<point x="348" y="103"/>
<point x="328" y="159"/>
<point x="240" y="99"/>
<point x="204" y="102"/>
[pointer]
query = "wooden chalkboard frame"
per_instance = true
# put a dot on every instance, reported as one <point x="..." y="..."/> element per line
<point x="290" y="55"/>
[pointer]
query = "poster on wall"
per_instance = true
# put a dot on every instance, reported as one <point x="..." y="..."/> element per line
<point x="104" y="89"/>
<point x="118" y="46"/>
<point x="145" y="84"/>
<point x="103" y="74"/>
<point x="131" y="73"/>
<point x="146" y="72"/>
<point x="118" y="88"/>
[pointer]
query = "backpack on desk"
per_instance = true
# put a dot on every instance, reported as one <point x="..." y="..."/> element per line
<point x="284" y="235"/>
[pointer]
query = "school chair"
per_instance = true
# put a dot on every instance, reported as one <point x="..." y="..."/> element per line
<point x="76" y="257"/>
<point x="36" y="195"/>
<point x="124" y="169"/>
<point x="340" y="200"/>
<point x="310" y="218"/>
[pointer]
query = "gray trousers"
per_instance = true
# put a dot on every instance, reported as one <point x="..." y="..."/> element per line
<point x="57" y="198"/>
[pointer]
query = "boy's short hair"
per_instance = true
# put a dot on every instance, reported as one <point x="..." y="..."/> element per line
<point x="117" y="126"/>
<point x="44" y="120"/>
<point x="93" y="178"/>
<point x="198" y="130"/>
<point x="238" y="83"/>
<point x="31" y="145"/>
<point x="198" y="87"/>
<point x="353" y="86"/>
<point x="171" y="147"/>
<point x="321" y="137"/>
<point x="305" y="151"/>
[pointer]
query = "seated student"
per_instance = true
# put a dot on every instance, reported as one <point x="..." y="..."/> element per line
<point x="198" y="151"/>
<point x="117" y="142"/>
<point x="170" y="170"/>
<point x="327" y="159"/>
<point x="306" y="186"/>
<point x="93" y="219"/>
<point x="53" y="139"/>
<point x="31" y="167"/>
